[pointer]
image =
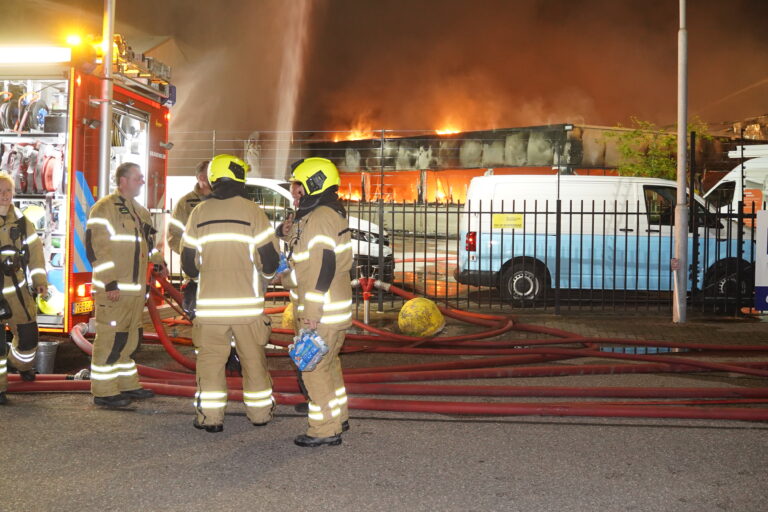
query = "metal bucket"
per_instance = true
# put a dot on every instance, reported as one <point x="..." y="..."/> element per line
<point x="46" y="354"/>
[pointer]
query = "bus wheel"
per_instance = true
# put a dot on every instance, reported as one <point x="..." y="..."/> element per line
<point x="523" y="281"/>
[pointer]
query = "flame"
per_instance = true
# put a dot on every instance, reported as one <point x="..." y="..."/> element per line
<point x="361" y="130"/>
<point x="440" y="195"/>
<point x="448" y="130"/>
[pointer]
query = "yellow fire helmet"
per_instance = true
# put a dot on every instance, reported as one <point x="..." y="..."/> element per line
<point x="288" y="318"/>
<point x="227" y="166"/>
<point x="52" y="304"/>
<point x="420" y="317"/>
<point x="36" y="214"/>
<point x="315" y="174"/>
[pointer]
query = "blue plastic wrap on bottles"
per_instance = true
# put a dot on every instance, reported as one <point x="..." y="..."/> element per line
<point x="283" y="265"/>
<point x="307" y="350"/>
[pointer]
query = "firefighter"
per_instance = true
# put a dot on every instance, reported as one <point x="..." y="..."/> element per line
<point x="320" y="254"/>
<point x="186" y="204"/>
<point x="21" y="253"/>
<point x="176" y="227"/>
<point x="230" y="246"/>
<point x="119" y="240"/>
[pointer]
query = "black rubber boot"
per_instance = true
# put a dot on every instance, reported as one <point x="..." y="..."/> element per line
<point x="27" y="375"/>
<point x="139" y="393"/>
<point x="3" y="398"/>
<point x="213" y="429"/>
<point x="302" y="407"/>
<point x="306" y="441"/>
<point x="233" y="363"/>
<point x="112" y="402"/>
<point x="345" y="426"/>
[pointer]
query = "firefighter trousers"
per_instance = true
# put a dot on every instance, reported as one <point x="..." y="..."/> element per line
<point x="22" y="351"/>
<point x="118" y="335"/>
<point x="213" y="346"/>
<point x="325" y="384"/>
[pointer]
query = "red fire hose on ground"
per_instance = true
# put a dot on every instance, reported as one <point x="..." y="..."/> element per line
<point x="511" y="358"/>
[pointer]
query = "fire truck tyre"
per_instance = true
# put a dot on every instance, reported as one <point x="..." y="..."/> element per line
<point x="420" y="317"/>
<point x="721" y="279"/>
<point x="523" y="281"/>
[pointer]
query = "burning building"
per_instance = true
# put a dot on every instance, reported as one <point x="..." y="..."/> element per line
<point x="437" y="168"/>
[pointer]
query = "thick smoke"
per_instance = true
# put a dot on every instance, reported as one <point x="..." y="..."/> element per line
<point x="486" y="64"/>
<point x="428" y="64"/>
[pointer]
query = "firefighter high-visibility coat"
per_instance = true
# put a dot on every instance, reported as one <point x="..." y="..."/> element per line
<point x="231" y="247"/>
<point x="176" y="227"/>
<point x="180" y="216"/>
<point x="119" y="240"/>
<point x="320" y="250"/>
<point x="21" y="260"/>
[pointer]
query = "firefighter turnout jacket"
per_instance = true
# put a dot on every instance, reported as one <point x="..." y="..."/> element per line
<point x="232" y="241"/>
<point x="230" y="246"/>
<point x="320" y="254"/>
<point x="320" y="250"/>
<point x="20" y="250"/>
<point x="21" y="255"/>
<point x="178" y="221"/>
<point x="119" y="240"/>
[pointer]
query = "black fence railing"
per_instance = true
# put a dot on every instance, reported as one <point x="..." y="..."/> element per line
<point x="556" y="255"/>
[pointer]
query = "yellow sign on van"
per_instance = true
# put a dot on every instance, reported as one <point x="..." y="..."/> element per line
<point x="507" y="221"/>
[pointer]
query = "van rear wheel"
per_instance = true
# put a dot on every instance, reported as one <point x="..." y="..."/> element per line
<point x="524" y="282"/>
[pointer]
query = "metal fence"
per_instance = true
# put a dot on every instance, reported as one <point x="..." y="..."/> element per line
<point x="412" y="224"/>
<point x="560" y="256"/>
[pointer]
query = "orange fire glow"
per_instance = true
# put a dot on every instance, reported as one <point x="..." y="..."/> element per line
<point x="361" y="130"/>
<point x="448" y="130"/>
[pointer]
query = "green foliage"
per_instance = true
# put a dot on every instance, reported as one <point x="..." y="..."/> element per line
<point x="647" y="150"/>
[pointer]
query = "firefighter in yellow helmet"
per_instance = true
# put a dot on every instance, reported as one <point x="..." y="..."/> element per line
<point x="21" y="254"/>
<point x="320" y="255"/>
<point x="230" y="246"/>
<point x="119" y="242"/>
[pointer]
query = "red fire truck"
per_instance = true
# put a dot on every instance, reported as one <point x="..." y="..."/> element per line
<point x="49" y="144"/>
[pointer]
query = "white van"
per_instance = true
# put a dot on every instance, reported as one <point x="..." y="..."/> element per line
<point x="275" y="199"/>
<point x="616" y="234"/>
<point x="727" y="192"/>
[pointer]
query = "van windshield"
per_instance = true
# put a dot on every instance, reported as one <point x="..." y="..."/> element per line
<point x="722" y="195"/>
<point x="660" y="203"/>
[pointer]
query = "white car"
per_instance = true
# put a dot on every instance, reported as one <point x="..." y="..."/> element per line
<point x="367" y="239"/>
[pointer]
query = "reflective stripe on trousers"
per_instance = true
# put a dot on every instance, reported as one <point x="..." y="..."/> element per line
<point x="214" y="344"/>
<point x="325" y="385"/>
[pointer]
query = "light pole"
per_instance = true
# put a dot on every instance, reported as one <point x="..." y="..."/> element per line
<point x="680" y="261"/>
<point x="105" y="134"/>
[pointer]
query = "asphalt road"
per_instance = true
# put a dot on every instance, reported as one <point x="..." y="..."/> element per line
<point x="62" y="453"/>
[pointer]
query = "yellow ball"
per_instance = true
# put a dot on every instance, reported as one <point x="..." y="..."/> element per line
<point x="287" y="322"/>
<point x="420" y="317"/>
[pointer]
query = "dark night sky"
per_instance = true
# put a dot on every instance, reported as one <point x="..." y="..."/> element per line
<point x="422" y="64"/>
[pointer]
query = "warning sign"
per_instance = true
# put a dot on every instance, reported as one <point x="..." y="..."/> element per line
<point x="753" y="201"/>
<point x="507" y="221"/>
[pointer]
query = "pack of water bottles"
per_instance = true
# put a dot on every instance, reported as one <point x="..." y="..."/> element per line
<point x="307" y="350"/>
<point x="283" y="265"/>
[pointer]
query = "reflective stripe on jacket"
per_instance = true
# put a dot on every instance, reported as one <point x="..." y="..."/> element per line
<point x="231" y="247"/>
<point x="119" y="243"/>
<point x="321" y="259"/>
<point x="178" y="222"/>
